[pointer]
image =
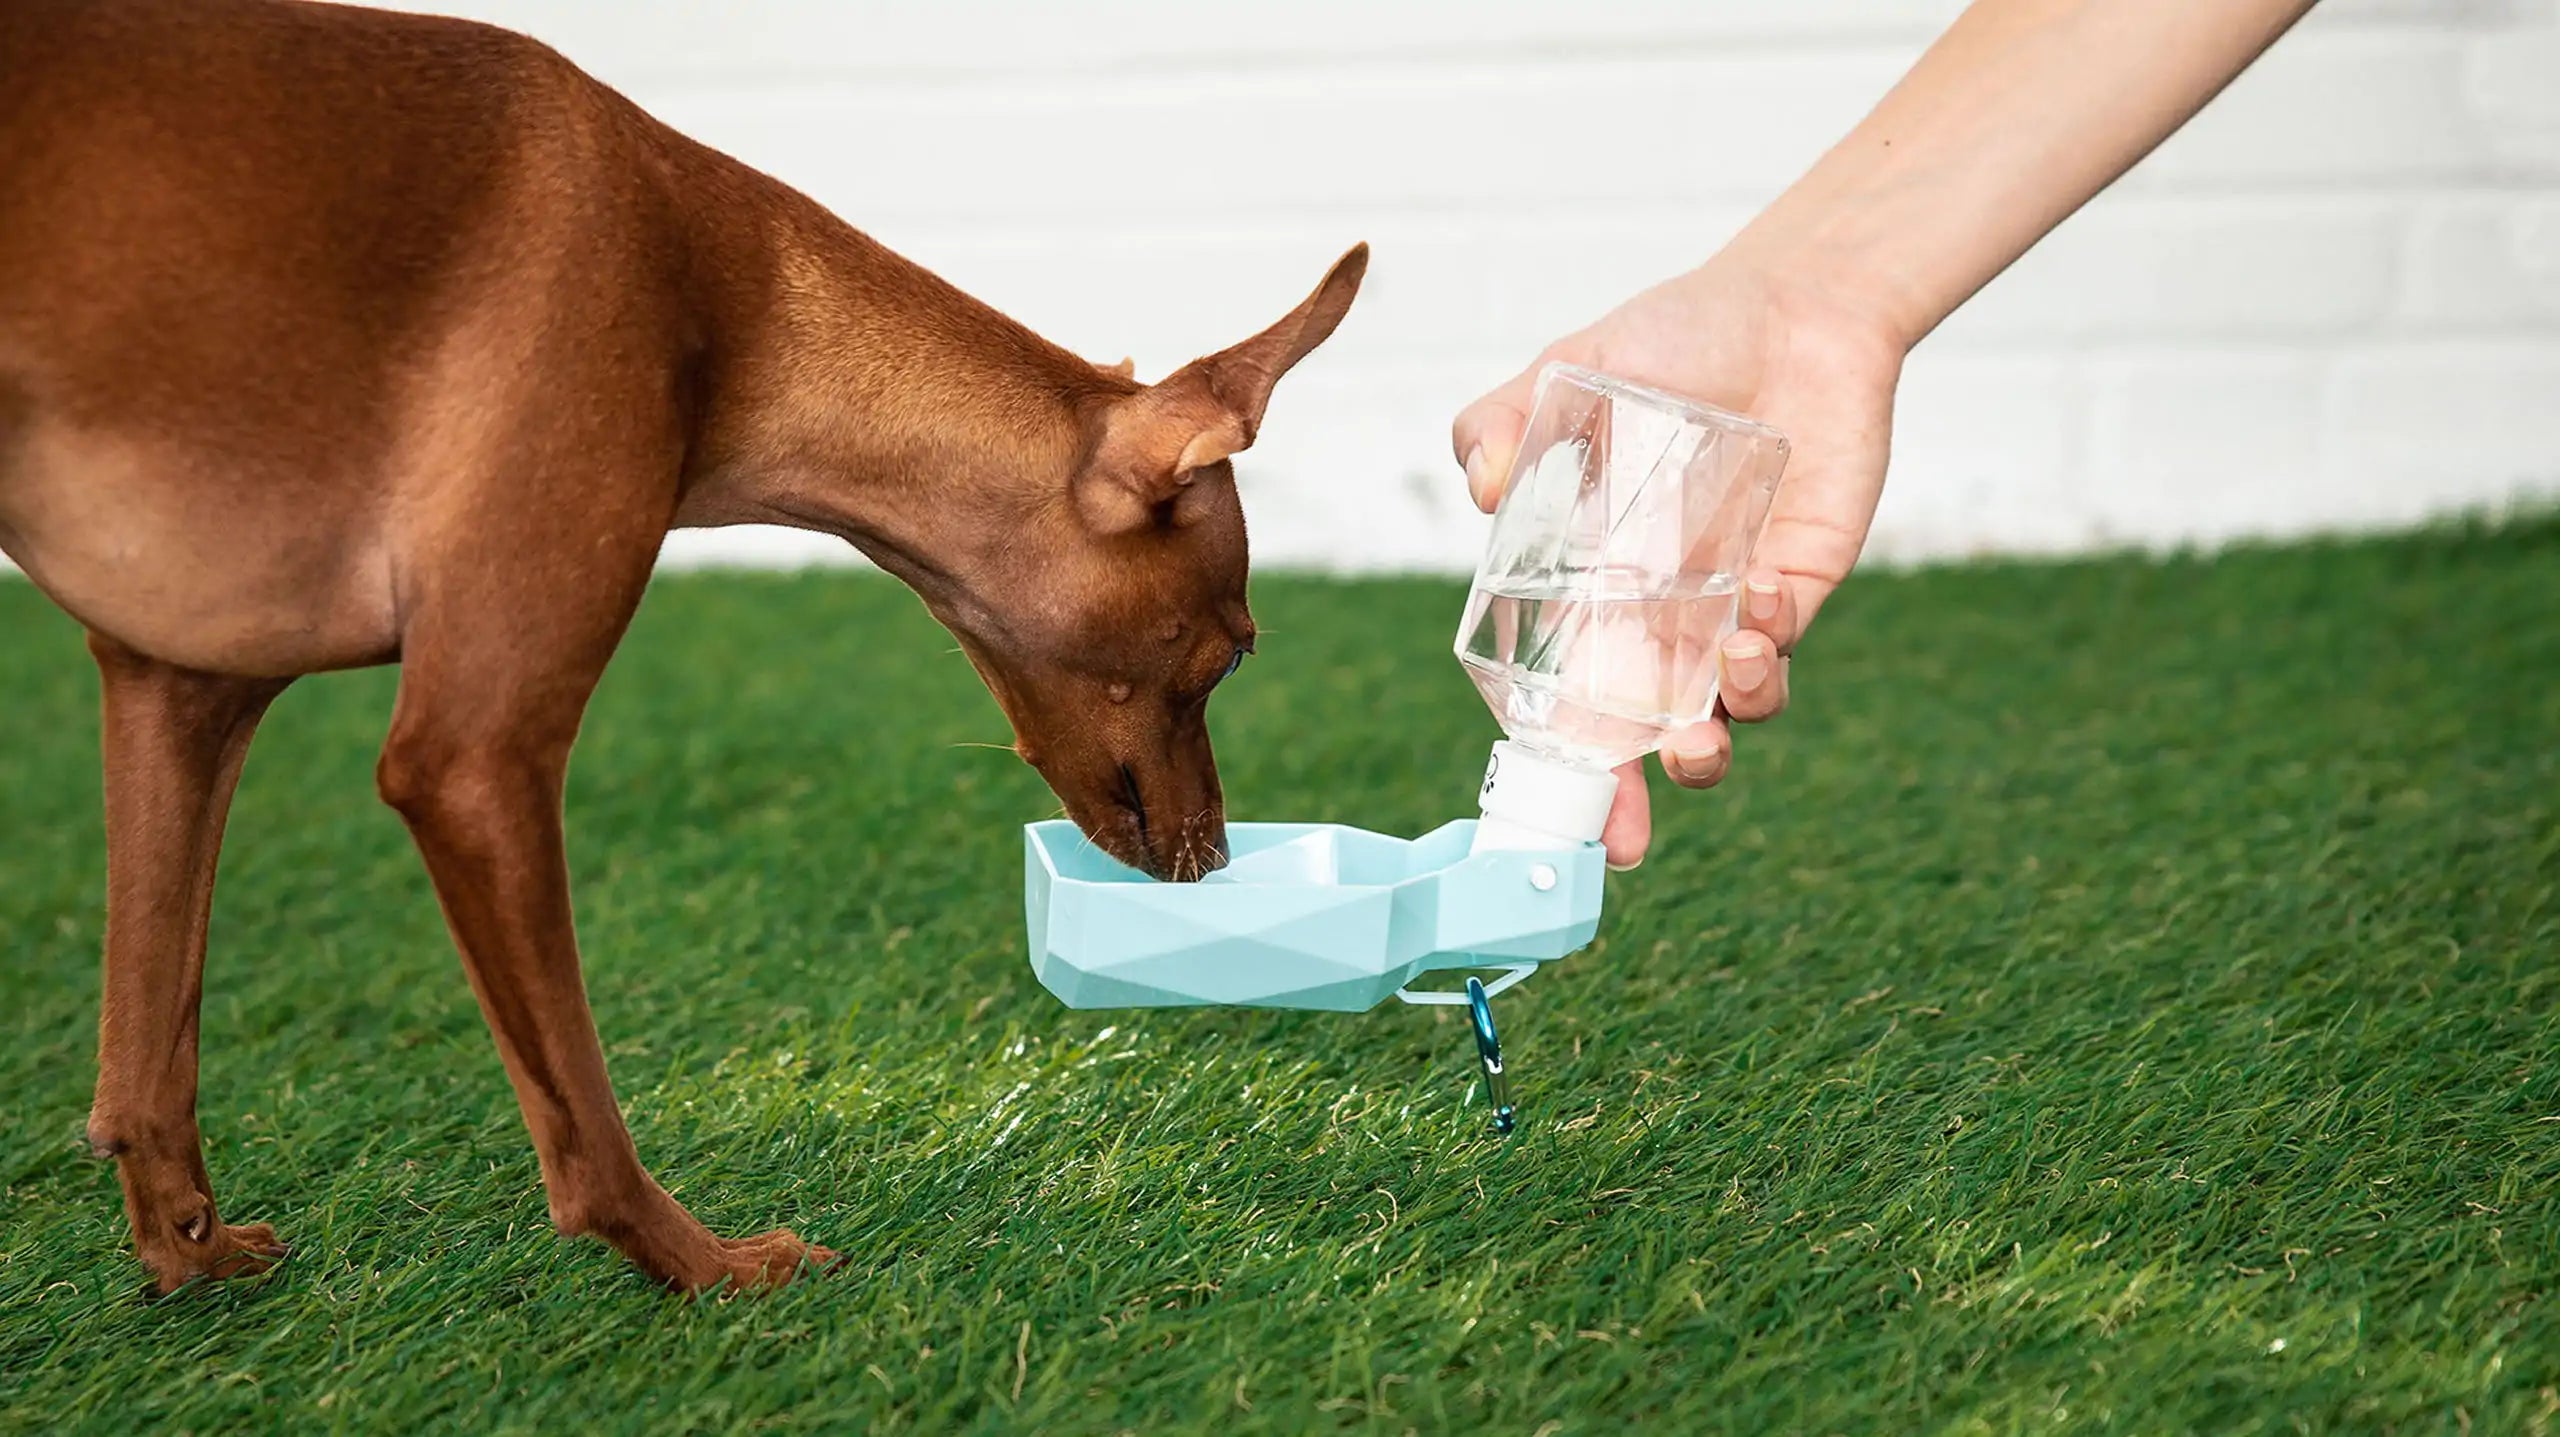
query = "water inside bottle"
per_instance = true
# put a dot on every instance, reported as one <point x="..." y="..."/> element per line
<point x="1597" y="666"/>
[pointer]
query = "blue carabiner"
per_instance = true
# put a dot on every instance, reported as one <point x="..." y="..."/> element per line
<point x="1497" y="1086"/>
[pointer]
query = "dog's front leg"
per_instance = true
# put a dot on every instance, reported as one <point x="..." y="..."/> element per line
<point x="475" y="762"/>
<point x="173" y="740"/>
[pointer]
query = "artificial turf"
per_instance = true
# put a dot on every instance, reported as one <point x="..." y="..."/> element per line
<point x="2121" y="995"/>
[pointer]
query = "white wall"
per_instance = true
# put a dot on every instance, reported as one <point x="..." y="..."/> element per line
<point x="2333" y="301"/>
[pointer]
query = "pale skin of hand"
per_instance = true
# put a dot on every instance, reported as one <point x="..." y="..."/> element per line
<point x="2016" y="117"/>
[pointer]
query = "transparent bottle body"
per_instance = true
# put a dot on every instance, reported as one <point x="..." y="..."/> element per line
<point x="1614" y="567"/>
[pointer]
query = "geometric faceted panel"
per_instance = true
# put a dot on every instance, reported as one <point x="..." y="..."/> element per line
<point x="1304" y="915"/>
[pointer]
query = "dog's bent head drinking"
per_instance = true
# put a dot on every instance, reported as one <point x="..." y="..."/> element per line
<point x="1123" y="601"/>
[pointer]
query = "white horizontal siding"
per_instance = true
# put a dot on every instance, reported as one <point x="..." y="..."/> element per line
<point x="2334" y="301"/>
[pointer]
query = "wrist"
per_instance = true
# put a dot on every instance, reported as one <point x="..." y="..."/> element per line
<point x="1808" y="255"/>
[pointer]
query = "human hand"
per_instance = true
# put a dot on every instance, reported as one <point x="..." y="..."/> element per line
<point x="2018" y="114"/>
<point x="1822" y="370"/>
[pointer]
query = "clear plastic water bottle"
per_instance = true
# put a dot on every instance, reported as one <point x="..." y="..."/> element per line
<point x="1607" y="586"/>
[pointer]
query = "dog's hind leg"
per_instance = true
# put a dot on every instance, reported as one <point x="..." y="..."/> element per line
<point x="173" y="740"/>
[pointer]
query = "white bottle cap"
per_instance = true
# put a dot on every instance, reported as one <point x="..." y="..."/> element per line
<point x="1532" y="801"/>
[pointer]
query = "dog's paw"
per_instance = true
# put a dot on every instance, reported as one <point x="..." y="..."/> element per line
<point x="207" y="1250"/>
<point x="768" y="1260"/>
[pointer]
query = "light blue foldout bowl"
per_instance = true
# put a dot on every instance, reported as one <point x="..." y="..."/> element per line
<point x="1305" y="915"/>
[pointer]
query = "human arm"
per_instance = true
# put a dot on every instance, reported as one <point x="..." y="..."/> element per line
<point x="2019" y="114"/>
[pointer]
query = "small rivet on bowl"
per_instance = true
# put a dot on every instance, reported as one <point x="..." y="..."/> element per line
<point x="1542" y="877"/>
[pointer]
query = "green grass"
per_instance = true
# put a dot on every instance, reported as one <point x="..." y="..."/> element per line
<point x="2123" y="995"/>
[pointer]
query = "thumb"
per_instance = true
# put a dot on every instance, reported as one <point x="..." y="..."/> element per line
<point x="1629" y="831"/>
<point x="1487" y="437"/>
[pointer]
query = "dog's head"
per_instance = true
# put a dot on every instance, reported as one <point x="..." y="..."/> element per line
<point x="1124" y="601"/>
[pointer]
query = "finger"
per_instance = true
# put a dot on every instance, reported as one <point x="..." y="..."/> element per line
<point x="1629" y="831"/>
<point x="1698" y="756"/>
<point x="1769" y="606"/>
<point x="1754" y="684"/>
<point x="1487" y="437"/>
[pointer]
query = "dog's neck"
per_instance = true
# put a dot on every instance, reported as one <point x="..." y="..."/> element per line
<point x="849" y="391"/>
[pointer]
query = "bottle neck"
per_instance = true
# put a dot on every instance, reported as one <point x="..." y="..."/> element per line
<point x="1534" y="801"/>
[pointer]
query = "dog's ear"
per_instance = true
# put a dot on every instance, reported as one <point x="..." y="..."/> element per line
<point x="1156" y="441"/>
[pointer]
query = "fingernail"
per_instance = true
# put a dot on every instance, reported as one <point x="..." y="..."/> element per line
<point x="1747" y="667"/>
<point x="1616" y="867"/>
<point x="1692" y="767"/>
<point x="1475" y="478"/>
<point x="1760" y="599"/>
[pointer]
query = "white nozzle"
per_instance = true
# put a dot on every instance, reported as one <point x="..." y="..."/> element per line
<point x="1533" y="801"/>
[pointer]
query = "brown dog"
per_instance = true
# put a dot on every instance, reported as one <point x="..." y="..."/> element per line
<point x="332" y="337"/>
